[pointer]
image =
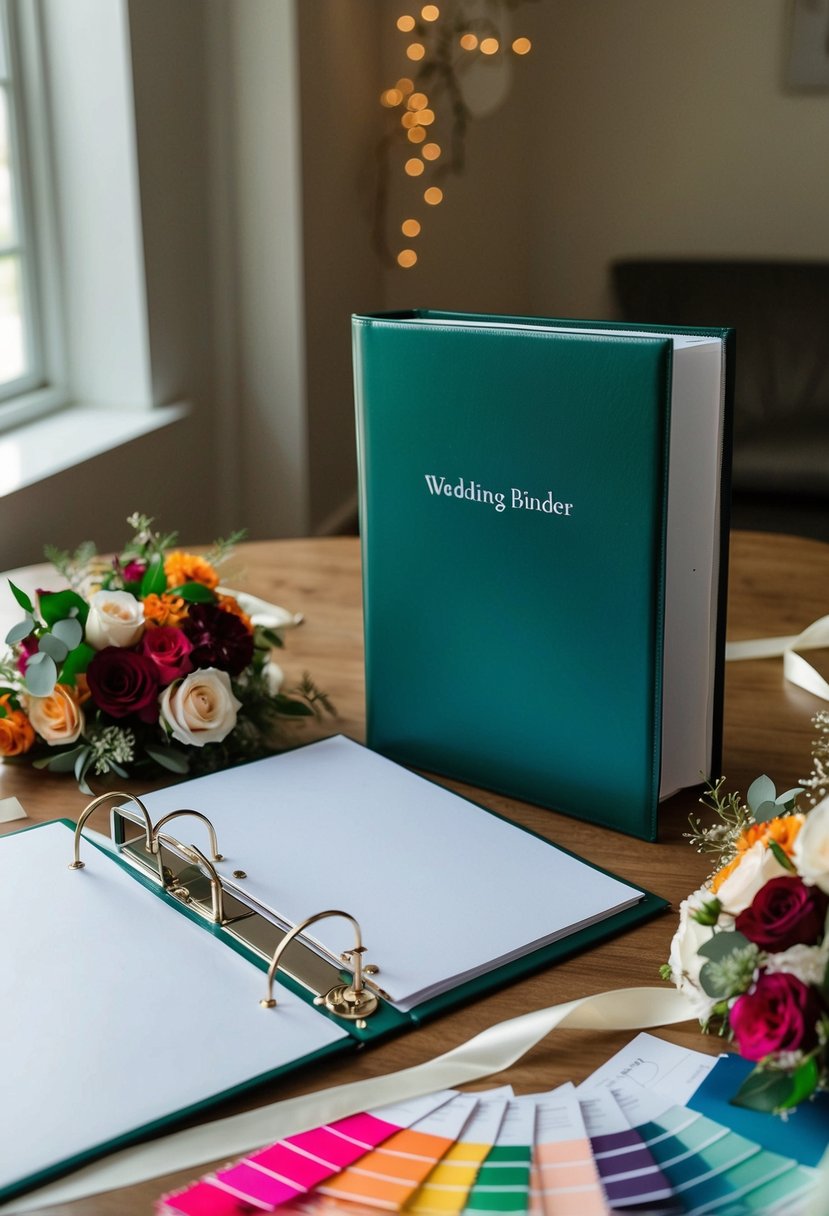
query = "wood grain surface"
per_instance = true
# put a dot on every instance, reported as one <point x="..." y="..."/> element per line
<point x="778" y="585"/>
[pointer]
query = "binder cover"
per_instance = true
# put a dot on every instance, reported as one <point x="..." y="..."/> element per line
<point x="529" y="597"/>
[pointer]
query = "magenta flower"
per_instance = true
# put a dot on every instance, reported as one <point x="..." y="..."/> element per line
<point x="780" y="1013"/>
<point x="134" y="571"/>
<point x="27" y="648"/>
<point x="169" y="649"/>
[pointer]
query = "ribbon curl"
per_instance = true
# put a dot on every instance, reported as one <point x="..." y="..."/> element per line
<point x="795" y="668"/>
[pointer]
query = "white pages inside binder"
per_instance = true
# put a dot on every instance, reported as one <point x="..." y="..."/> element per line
<point x="443" y="890"/>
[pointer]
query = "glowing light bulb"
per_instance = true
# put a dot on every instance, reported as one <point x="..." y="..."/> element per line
<point x="469" y="41"/>
<point x="430" y="151"/>
<point x="405" y="85"/>
<point x="489" y="46"/>
<point x="405" y="24"/>
<point x="522" y="46"/>
<point x="410" y="227"/>
<point x="425" y="118"/>
<point x="433" y="196"/>
<point x="408" y="120"/>
<point x="415" y="50"/>
<point x="406" y="258"/>
<point x="418" y="101"/>
<point x="414" y="166"/>
<point x="430" y="12"/>
<point x="416" y="135"/>
<point x="391" y="98"/>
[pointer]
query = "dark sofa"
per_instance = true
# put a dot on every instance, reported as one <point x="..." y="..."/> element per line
<point x="780" y="310"/>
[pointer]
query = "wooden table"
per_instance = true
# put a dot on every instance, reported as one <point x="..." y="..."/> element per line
<point x="778" y="585"/>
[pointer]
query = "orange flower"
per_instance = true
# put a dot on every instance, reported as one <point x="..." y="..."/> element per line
<point x="16" y="733"/>
<point x="229" y="604"/>
<point x="164" y="610"/>
<point x="187" y="568"/>
<point x="783" y="830"/>
<point x="82" y="688"/>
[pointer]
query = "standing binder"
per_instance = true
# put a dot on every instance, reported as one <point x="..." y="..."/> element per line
<point x="544" y="524"/>
<point x="158" y="978"/>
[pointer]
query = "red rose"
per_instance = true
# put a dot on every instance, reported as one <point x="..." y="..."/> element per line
<point x="785" y="912"/>
<point x="219" y="639"/>
<point x="780" y="1013"/>
<point x="169" y="649"/>
<point x="123" y="682"/>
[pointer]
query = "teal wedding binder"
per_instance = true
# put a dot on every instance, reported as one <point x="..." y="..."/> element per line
<point x="221" y="943"/>
<point x="544" y="520"/>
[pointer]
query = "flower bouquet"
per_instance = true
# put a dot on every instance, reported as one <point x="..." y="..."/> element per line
<point x="144" y="662"/>
<point x="752" y="948"/>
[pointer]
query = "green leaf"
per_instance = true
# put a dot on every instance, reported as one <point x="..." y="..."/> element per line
<point x="290" y="708"/>
<point x="766" y="811"/>
<point x="41" y="675"/>
<point x="761" y="790"/>
<point x="665" y="971"/>
<point x="772" y="1091"/>
<point x="789" y="796"/>
<point x="22" y="599"/>
<point x="712" y="983"/>
<point x="76" y="662"/>
<point x="194" y="593"/>
<point x="4" y="713"/>
<point x="721" y="944"/>
<point x="61" y="762"/>
<point x="169" y="757"/>
<point x="69" y="631"/>
<point x="785" y="861"/>
<point x="20" y="631"/>
<point x="267" y="639"/>
<point x="709" y="913"/>
<point x="54" y="647"/>
<point x="154" y="581"/>
<point x="57" y="605"/>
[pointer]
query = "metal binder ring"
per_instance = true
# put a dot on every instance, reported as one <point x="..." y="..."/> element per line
<point x="198" y="858"/>
<point x="211" y="831"/>
<point x="77" y="864"/>
<point x="351" y="1001"/>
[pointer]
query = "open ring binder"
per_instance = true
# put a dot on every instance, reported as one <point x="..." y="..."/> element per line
<point x="189" y="876"/>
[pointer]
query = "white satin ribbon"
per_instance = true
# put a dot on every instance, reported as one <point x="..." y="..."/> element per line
<point x="488" y="1052"/>
<point x="795" y="667"/>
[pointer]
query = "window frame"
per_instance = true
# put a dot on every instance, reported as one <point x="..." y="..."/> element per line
<point x="43" y="388"/>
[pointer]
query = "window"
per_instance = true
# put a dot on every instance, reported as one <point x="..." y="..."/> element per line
<point x="28" y="330"/>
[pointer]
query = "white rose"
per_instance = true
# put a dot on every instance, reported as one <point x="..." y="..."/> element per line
<point x="684" y="961"/>
<point x="806" y="963"/>
<point x="757" y="866"/>
<point x="811" y="847"/>
<point x="116" y="618"/>
<point x="56" y="718"/>
<point x="201" y="708"/>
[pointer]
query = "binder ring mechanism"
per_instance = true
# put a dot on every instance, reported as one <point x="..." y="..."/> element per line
<point x="353" y="1001"/>
<point x="198" y="884"/>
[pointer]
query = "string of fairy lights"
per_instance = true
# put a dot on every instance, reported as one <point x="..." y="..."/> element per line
<point x="442" y="44"/>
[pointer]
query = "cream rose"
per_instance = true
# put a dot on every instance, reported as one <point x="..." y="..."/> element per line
<point x="57" y="718"/>
<point x="811" y="847"/>
<point x="201" y="708"/>
<point x="757" y="865"/>
<point x="116" y="618"/>
<point x="684" y="961"/>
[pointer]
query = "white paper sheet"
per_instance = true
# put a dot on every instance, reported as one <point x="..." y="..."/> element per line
<point x="115" y="1010"/>
<point x="442" y="889"/>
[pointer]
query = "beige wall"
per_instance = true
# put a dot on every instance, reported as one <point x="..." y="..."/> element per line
<point x="663" y="128"/>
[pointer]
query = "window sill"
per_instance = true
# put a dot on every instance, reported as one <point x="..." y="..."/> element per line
<point x="60" y="441"/>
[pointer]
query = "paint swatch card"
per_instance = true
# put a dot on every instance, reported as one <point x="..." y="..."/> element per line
<point x="628" y="1170"/>
<point x="447" y="1188"/>
<point x="389" y="1176"/>
<point x="566" y="1178"/>
<point x="273" y="1177"/>
<point x="503" y="1181"/>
